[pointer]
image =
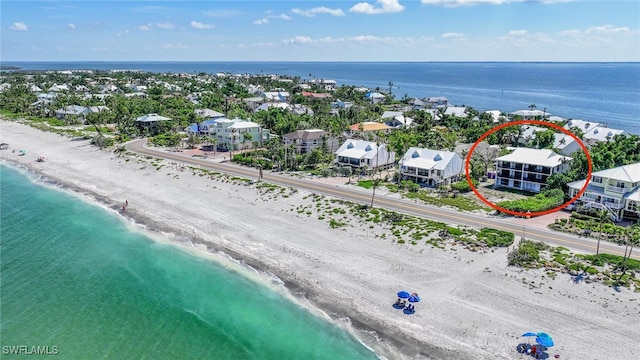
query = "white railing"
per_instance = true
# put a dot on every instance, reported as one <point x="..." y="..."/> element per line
<point x="615" y="189"/>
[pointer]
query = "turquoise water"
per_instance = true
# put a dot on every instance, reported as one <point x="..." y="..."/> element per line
<point x="75" y="277"/>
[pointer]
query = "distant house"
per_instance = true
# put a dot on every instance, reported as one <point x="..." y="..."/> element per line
<point x="496" y="116"/>
<point x="305" y="141"/>
<point x="565" y="144"/>
<point x="254" y="102"/>
<point x="73" y="111"/>
<point x="615" y="190"/>
<point x="437" y="102"/>
<point x="529" y="115"/>
<point x="209" y="114"/>
<point x="584" y="126"/>
<point x="282" y="96"/>
<point x="600" y="134"/>
<point x="150" y="123"/>
<point x="528" y="169"/>
<point x="313" y="95"/>
<point x="528" y="134"/>
<point x="458" y="111"/>
<point x="374" y="97"/>
<point x="369" y="128"/>
<point x="399" y="121"/>
<point x="360" y="154"/>
<point x="431" y="167"/>
<point x="418" y="104"/>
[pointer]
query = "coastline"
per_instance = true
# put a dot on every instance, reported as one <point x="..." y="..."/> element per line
<point x="473" y="307"/>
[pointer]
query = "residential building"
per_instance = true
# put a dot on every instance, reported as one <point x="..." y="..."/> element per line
<point x="150" y="123"/>
<point x="584" y="126"/>
<point x="73" y="111"/>
<point x="600" y="134"/>
<point x="528" y="169"/>
<point x="437" y="102"/>
<point x="238" y="134"/>
<point x="209" y="114"/>
<point x="565" y="144"/>
<point x="615" y="190"/>
<point x="459" y="111"/>
<point x="374" y="97"/>
<point x="529" y="115"/>
<point x="361" y="154"/>
<point x="369" y="129"/>
<point x="305" y="141"/>
<point x="431" y="167"/>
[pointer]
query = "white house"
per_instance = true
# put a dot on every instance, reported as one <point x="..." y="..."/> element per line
<point x="305" y="141"/>
<point x="374" y="97"/>
<point x="359" y="154"/>
<point x="238" y="134"/>
<point x="459" y="111"/>
<point x="431" y="167"/>
<point x="528" y="169"/>
<point x="584" y="126"/>
<point x="615" y="190"/>
<point x="565" y="144"/>
<point x="600" y="134"/>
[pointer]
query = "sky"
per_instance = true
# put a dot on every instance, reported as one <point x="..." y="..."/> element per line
<point x="338" y="30"/>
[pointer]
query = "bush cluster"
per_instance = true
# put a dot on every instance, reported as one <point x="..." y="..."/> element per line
<point x="546" y="200"/>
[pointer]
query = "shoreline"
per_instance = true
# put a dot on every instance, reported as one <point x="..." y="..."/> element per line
<point x="471" y="310"/>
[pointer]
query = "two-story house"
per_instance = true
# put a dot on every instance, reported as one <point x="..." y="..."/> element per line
<point x="616" y="190"/>
<point x="528" y="169"/>
<point x="431" y="167"/>
<point x="305" y="141"/>
<point x="360" y="154"/>
<point x="369" y="129"/>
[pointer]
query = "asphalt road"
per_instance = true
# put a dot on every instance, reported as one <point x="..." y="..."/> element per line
<point x="586" y="245"/>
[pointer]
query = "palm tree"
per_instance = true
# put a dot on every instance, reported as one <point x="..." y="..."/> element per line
<point x="532" y="106"/>
<point x="603" y="217"/>
<point x="376" y="182"/>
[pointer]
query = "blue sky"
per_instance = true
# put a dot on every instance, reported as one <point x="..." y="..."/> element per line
<point x="371" y="30"/>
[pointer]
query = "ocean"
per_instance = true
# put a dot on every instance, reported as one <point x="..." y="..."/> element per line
<point x="596" y="92"/>
<point x="78" y="282"/>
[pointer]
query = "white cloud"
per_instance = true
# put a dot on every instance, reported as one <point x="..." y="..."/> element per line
<point x="318" y="10"/>
<point x="386" y="6"/>
<point x="452" y="35"/>
<point x="282" y="16"/>
<point x="356" y="40"/>
<point x="71" y="26"/>
<point x="261" y="21"/>
<point x="19" y="26"/>
<point x="122" y="33"/>
<point x="456" y="3"/>
<point x="166" y="26"/>
<point x="517" y="33"/>
<point x="199" y="25"/>
<point x="144" y="27"/>
<point x="608" y="29"/>
<point x="298" y="40"/>
<point x="572" y="32"/>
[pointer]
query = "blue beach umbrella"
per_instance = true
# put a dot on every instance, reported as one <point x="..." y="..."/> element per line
<point x="403" y="294"/>
<point x="544" y="339"/>
<point x="414" y="298"/>
<point x="530" y="334"/>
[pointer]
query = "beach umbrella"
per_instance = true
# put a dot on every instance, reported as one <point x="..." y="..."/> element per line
<point x="403" y="294"/>
<point x="414" y="298"/>
<point x="530" y="334"/>
<point x="544" y="339"/>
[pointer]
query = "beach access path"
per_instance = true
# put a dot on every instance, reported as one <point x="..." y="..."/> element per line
<point x="531" y="229"/>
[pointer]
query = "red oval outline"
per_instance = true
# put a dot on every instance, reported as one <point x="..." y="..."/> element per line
<point x="527" y="122"/>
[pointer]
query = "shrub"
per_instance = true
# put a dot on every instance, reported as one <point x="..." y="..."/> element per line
<point x="546" y="200"/>
<point x="527" y="255"/>
<point x="463" y="186"/>
<point x="493" y="237"/>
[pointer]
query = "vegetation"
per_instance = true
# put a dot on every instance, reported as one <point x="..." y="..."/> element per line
<point x="547" y="199"/>
<point x="493" y="237"/>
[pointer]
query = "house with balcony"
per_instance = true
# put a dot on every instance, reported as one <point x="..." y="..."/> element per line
<point x="361" y="155"/>
<point x="615" y="190"/>
<point x="305" y="141"/>
<point x="237" y="134"/>
<point x="528" y="169"/>
<point x="150" y="123"/>
<point x="431" y="167"/>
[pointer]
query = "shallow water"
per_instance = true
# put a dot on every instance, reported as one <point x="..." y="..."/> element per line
<point x="75" y="277"/>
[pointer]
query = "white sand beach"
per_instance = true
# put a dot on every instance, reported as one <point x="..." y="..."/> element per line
<point x="473" y="305"/>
